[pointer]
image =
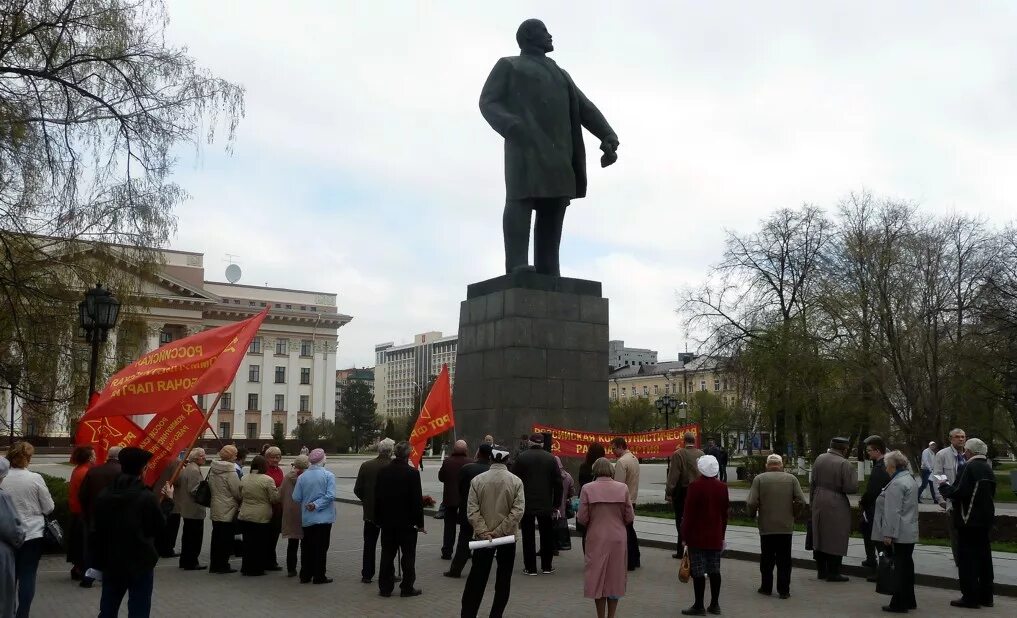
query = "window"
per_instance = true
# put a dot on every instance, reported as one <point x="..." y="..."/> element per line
<point x="280" y="375"/>
<point x="165" y="337"/>
<point x="725" y="384"/>
<point x="252" y="401"/>
<point x="305" y="403"/>
<point x="305" y="347"/>
<point x="280" y="403"/>
<point x="255" y="347"/>
<point x="614" y="393"/>
<point x="702" y="385"/>
<point x="623" y="391"/>
<point x="716" y="384"/>
<point x="646" y="391"/>
<point x="201" y="401"/>
<point x="656" y="390"/>
<point x="252" y="431"/>
<point x="305" y="375"/>
<point x="667" y="388"/>
<point x="282" y="346"/>
<point x="226" y="403"/>
<point x="224" y="430"/>
<point x="254" y="373"/>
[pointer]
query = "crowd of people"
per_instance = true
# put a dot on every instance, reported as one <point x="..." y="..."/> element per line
<point x="120" y="527"/>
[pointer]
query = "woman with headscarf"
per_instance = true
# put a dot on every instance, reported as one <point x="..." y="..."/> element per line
<point x="258" y="494"/>
<point x="704" y="524"/>
<point x="225" y="487"/>
<point x="594" y="452"/>
<point x="83" y="459"/>
<point x="12" y="535"/>
<point x="605" y="510"/>
<point x="292" y="528"/>
<point x="561" y="524"/>
<point x="33" y="502"/>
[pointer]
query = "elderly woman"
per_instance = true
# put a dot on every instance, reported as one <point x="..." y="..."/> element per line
<point x="292" y="528"/>
<point x="83" y="459"/>
<point x="33" y="502"/>
<point x="704" y="524"/>
<point x="192" y="513"/>
<point x="12" y="535"/>
<point x="895" y="524"/>
<point x="564" y="541"/>
<point x="594" y="451"/>
<point x="225" y="487"/>
<point x="258" y="494"/>
<point x="273" y="455"/>
<point x="605" y="511"/>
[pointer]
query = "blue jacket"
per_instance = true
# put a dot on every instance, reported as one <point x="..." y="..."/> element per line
<point x="316" y="486"/>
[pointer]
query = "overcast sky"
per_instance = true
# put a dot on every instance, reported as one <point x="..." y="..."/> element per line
<point x="363" y="166"/>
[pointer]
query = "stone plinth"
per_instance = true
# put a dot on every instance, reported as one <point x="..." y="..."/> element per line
<point x="532" y="348"/>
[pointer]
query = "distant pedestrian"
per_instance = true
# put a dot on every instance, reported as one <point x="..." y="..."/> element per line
<point x="466" y="475"/>
<point x="542" y="483"/>
<point x="12" y="535"/>
<point x="292" y="528"/>
<point x="399" y="511"/>
<point x="83" y="459"/>
<point x="304" y="450"/>
<point x="928" y="462"/>
<point x="258" y="494"/>
<point x="33" y="503"/>
<point x="973" y="516"/>
<point x="315" y="492"/>
<point x="191" y="513"/>
<point x="682" y="470"/>
<point x="704" y="527"/>
<point x="833" y="478"/>
<point x="226" y="496"/>
<point x="489" y="440"/>
<point x="949" y="462"/>
<point x="895" y="527"/>
<point x="606" y="511"/>
<point x="363" y="489"/>
<point x="626" y="470"/>
<point x="875" y="448"/>
<point x="242" y="454"/>
<point x="448" y="476"/>
<point x="776" y="497"/>
<point x="494" y="507"/>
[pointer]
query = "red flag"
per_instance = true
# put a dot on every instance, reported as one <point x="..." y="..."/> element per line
<point x="436" y="416"/>
<point x="105" y="432"/>
<point x="169" y="433"/>
<point x="202" y="363"/>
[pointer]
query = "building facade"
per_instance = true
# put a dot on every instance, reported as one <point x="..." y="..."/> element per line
<point x="344" y="377"/>
<point x="680" y="378"/>
<point x="402" y="373"/>
<point x="619" y="356"/>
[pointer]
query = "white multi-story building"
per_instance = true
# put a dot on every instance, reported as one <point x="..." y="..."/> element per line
<point x="287" y="376"/>
<point x="620" y="356"/>
<point x="403" y="372"/>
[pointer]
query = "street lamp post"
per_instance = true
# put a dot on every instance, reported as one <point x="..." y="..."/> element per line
<point x="666" y="404"/>
<point x="97" y="315"/>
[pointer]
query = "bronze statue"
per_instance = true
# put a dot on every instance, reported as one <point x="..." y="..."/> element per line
<point x="534" y="104"/>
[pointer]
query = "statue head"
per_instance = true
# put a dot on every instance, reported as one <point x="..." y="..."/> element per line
<point x="533" y="36"/>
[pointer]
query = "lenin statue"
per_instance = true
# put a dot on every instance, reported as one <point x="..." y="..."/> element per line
<point x="534" y="104"/>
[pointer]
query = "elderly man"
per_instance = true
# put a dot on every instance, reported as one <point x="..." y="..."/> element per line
<point x="448" y="475"/>
<point x="543" y="484"/>
<point x="399" y="510"/>
<point x="928" y="461"/>
<point x="626" y="470"/>
<point x="949" y="462"/>
<point x="315" y="492"/>
<point x="875" y="449"/>
<point x="833" y="478"/>
<point x="489" y="440"/>
<point x="681" y="471"/>
<point x="973" y="516"/>
<point x="776" y="497"/>
<point x="466" y="475"/>
<point x="192" y="513"/>
<point x="367" y="478"/>
<point x="494" y="508"/>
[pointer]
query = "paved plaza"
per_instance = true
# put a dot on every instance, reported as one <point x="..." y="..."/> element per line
<point x="652" y="591"/>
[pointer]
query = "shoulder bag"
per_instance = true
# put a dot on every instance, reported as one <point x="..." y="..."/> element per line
<point x="202" y="492"/>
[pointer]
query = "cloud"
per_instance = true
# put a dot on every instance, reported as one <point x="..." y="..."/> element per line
<point x="363" y="166"/>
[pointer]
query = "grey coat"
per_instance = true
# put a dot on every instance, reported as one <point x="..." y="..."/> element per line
<point x="183" y="504"/>
<point x="833" y="477"/>
<point x="896" y="513"/>
<point x="534" y="104"/>
<point x="12" y="535"/>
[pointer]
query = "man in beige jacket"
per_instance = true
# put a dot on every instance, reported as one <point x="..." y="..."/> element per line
<point x="494" y="509"/>
<point x="626" y="470"/>
<point x="682" y="470"/>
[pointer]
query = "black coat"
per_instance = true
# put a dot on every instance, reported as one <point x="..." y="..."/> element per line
<point x="541" y="480"/>
<point x="96" y="480"/>
<point x="127" y="517"/>
<point x="877" y="481"/>
<point x="398" y="497"/>
<point x="466" y="475"/>
<point x="972" y="494"/>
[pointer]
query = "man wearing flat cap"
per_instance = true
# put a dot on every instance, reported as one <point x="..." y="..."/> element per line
<point x="543" y="487"/>
<point x="833" y="478"/>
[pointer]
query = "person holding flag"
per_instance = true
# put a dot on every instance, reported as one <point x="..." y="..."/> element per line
<point x="436" y="417"/>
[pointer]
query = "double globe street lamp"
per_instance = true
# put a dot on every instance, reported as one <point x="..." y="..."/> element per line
<point x="97" y="315"/>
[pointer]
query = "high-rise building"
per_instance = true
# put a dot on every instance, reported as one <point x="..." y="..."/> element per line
<point x="620" y="356"/>
<point x="403" y="372"/>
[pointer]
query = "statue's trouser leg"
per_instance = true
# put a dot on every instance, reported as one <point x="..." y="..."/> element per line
<point x="547" y="235"/>
<point x="516" y="228"/>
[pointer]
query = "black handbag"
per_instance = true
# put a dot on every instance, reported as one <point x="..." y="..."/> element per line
<point x="53" y="532"/>
<point x="202" y="492"/>
<point x="886" y="575"/>
<point x="808" y="536"/>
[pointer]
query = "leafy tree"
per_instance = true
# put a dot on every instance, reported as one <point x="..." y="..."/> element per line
<point x="357" y="413"/>
<point x="632" y="415"/>
<point x="323" y="433"/>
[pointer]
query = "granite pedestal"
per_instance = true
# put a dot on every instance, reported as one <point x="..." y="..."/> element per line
<point x="532" y="349"/>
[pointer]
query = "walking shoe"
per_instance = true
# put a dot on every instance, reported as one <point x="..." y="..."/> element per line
<point x="525" y="572"/>
<point x="838" y="578"/>
<point x="694" y="611"/>
<point x="869" y="564"/>
<point x="547" y="571"/>
<point x="413" y="592"/>
<point x="291" y="573"/>
<point x="765" y="593"/>
<point x="384" y="594"/>
<point x="273" y="568"/>
<point x="785" y="595"/>
<point x="366" y="580"/>
<point x="322" y="580"/>
<point x="714" y="609"/>
<point x="86" y="582"/>
<point x="894" y="610"/>
<point x="962" y="603"/>
<point x="196" y="567"/>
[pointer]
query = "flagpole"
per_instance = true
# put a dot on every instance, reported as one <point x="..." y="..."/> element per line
<point x="194" y="440"/>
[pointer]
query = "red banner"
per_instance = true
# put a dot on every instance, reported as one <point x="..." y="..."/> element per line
<point x="647" y="445"/>
<point x="169" y="433"/>
<point x="436" y="417"/>
<point x="200" y="364"/>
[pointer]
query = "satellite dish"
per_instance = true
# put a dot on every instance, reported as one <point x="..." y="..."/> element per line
<point x="233" y="273"/>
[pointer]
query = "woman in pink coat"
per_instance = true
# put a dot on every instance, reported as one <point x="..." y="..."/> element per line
<point x="605" y="510"/>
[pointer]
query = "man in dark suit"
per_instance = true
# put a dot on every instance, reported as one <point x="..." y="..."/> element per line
<point x="96" y="480"/>
<point x="448" y="475"/>
<point x="543" y="488"/>
<point x="875" y="449"/>
<point x="363" y="489"/>
<point x="534" y="104"/>
<point x="399" y="512"/>
<point x="469" y="472"/>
